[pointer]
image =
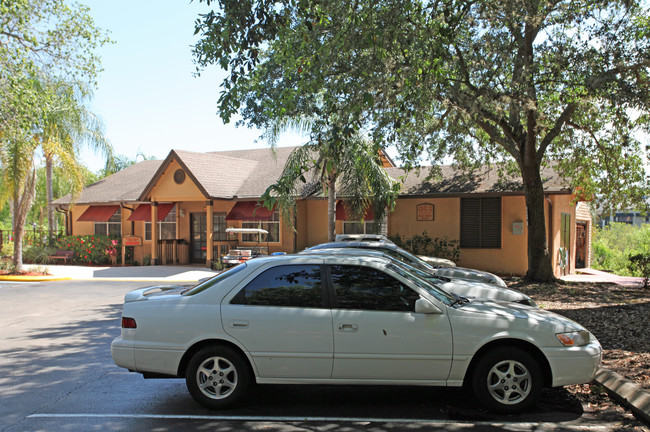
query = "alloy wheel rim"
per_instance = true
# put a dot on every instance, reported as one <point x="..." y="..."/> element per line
<point x="216" y="377"/>
<point x="509" y="382"/>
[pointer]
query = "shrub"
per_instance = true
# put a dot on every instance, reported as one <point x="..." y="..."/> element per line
<point x="7" y="249"/>
<point x="91" y="249"/>
<point x="37" y="254"/>
<point x="615" y="244"/>
<point x="422" y="244"/>
<point x="640" y="264"/>
<point x="6" y="266"/>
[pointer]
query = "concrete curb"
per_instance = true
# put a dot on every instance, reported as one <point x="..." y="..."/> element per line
<point x="626" y="392"/>
<point x="19" y="278"/>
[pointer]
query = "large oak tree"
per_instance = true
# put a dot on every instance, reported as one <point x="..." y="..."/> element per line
<point x="528" y="82"/>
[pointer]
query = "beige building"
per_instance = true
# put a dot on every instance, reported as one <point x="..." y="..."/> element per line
<point x="194" y="197"/>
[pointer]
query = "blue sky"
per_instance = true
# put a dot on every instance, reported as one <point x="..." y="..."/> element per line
<point x="147" y="95"/>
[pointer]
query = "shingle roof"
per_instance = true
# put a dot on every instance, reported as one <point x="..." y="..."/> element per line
<point x="246" y="174"/>
<point x="229" y="174"/>
<point x="486" y="180"/>
<point x="123" y="186"/>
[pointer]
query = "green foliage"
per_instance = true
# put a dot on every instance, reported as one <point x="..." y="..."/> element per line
<point x="640" y="264"/>
<point x="41" y="42"/>
<point x="7" y="249"/>
<point x="422" y="244"/>
<point x="91" y="249"/>
<point x="614" y="244"/>
<point x="345" y="167"/>
<point x="146" y="260"/>
<point x="38" y="254"/>
<point x="6" y="266"/>
<point x="522" y="82"/>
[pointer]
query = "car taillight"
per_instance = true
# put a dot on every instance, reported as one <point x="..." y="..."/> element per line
<point x="128" y="323"/>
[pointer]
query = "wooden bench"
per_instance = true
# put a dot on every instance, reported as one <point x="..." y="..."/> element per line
<point x="64" y="255"/>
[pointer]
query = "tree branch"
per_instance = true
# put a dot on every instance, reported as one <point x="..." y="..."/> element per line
<point x="562" y="120"/>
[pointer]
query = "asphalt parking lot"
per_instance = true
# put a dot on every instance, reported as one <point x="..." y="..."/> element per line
<point x="56" y="373"/>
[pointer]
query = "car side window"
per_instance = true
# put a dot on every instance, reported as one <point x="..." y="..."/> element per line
<point x="289" y="286"/>
<point x="366" y="288"/>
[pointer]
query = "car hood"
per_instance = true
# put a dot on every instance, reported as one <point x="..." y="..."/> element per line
<point x="480" y="290"/>
<point x="509" y="312"/>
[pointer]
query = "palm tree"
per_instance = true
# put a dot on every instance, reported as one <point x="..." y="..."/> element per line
<point x="21" y="103"/>
<point x="350" y="165"/>
<point x="66" y="126"/>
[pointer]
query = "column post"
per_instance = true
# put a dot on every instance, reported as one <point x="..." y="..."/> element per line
<point x="210" y="231"/>
<point x="154" y="233"/>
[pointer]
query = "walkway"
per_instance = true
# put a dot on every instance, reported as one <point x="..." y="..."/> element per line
<point x="135" y="273"/>
<point x="597" y="276"/>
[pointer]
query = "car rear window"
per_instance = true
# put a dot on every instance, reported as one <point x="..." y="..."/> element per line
<point x="215" y="280"/>
<point x="287" y="286"/>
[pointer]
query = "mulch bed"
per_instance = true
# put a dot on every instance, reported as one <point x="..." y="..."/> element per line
<point x="618" y="316"/>
<point x="22" y="273"/>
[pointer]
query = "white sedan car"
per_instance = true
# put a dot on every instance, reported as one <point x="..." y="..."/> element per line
<point x="317" y="319"/>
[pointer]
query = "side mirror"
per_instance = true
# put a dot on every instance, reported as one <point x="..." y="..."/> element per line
<point x="424" y="306"/>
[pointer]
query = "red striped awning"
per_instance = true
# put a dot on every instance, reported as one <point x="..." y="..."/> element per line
<point x="98" y="213"/>
<point x="143" y="212"/>
<point x="249" y="210"/>
<point x="342" y="214"/>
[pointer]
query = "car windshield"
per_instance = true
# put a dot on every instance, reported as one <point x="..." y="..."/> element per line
<point x="407" y="258"/>
<point x="215" y="280"/>
<point x="438" y="293"/>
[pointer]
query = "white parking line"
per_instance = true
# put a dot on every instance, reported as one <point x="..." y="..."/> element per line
<point x="518" y="425"/>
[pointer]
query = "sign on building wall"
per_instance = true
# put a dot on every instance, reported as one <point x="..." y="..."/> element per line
<point x="425" y="212"/>
<point x="131" y="241"/>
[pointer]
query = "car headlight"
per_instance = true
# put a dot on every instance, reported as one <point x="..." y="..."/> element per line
<point x="577" y="338"/>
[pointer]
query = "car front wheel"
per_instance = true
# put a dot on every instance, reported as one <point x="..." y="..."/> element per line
<point x="507" y="380"/>
<point x="217" y="377"/>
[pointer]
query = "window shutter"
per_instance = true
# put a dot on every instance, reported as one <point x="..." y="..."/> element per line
<point x="491" y="223"/>
<point x="470" y="222"/>
<point x="480" y="223"/>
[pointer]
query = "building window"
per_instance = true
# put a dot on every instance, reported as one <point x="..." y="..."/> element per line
<point x="480" y="223"/>
<point x="358" y="227"/>
<point x="112" y="227"/>
<point x="166" y="227"/>
<point x="219" y="227"/>
<point x="272" y="226"/>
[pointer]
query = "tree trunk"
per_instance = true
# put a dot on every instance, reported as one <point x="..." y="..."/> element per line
<point x="539" y="258"/>
<point x="51" y="221"/>
<point x="331" y="206"/>
<point x="21" y="205"/>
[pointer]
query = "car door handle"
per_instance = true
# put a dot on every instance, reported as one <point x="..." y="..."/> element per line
<point x="239" y="324"/>
<point x="348" y="327"/>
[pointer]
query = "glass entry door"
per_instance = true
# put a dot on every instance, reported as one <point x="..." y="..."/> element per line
<point x="198" y="237"/>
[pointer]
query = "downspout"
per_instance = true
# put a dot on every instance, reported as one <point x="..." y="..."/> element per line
<point x="132" y="233"/>
<point x="551" y="247"/>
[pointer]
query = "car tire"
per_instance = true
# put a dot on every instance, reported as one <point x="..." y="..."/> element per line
<point x="507" y="380"/>
<point x="217" y="377"/>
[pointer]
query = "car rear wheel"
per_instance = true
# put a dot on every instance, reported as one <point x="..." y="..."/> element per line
<point x="507" y="380"/>
<point x="217" y="377"/>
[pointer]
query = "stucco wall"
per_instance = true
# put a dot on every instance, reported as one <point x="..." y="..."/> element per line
<point x="511" y="258"/>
